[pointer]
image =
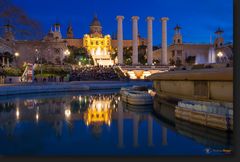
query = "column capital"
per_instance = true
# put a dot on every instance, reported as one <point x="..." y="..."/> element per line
<point x="164" y="19"/>
<point x="120" y="17"/>
<point x="135" y="18"/>
<point x="150" y="18"/>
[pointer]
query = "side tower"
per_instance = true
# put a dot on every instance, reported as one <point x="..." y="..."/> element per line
<point x="219" y="41"/>
<point x="177" y="39"/>
<point x="70" y="32"/>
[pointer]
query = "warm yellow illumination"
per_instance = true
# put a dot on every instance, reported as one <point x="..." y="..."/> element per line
<point x="67" y="113"/>
<point x="220" y="54"/>
<point x="99" y="47"/>
<point x="37" y="116"/>
<point x="98" y="112"/>
<point x="67" y="52"/>
<point x="17" y="113"/>
<point x="132" y="75"/>
<point x="16" y="54"/>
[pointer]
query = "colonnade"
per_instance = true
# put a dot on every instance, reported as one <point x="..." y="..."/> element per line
<point x="135" y="40"/>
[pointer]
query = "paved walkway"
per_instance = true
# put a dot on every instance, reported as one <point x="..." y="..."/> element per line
<point x="24" y="88"/>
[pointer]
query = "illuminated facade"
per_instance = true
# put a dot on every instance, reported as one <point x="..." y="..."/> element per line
<point x="97" y="45"/>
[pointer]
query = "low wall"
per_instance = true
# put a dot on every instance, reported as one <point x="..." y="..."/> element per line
<point x="13" y="89"/>
<point x="207" y="85"/>
<point x="12" y="79"/>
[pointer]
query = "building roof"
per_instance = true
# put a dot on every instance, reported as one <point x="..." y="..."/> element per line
<point x="219" y="31"/>
<point x="95" y="22"/>
<point x="177" y="27"/>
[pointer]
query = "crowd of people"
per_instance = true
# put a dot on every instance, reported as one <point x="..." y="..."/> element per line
<point x="94" y="73"/>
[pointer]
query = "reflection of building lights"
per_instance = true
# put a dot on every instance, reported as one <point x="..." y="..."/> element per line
<point x="98" y="112"/>
<point x="67" y="113"/>
<point x="17" y="113"/>
<point x="99" y="106"/>
<point x="37" y="116"/>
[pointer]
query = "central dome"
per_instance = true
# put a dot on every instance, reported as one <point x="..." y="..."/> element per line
<point x="95" y="22"/>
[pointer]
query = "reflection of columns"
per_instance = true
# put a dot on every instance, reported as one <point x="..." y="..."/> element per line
<point x="120" y="39"/>
<point x="164" y="40"/>
<point x="135" y="40"/>
<point x="164" y="136"/>
<point x="150" y="41"/>
<point x="3" y="60"/>
<point x="150" y="129"/>
<point x="135" y="129"/>
<point x="120" y="124"/>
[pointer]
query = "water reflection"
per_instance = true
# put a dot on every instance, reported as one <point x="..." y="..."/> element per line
<point x="105" y="116"/>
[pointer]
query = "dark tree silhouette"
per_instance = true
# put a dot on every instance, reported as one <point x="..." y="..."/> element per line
<point x="24" y="26"/>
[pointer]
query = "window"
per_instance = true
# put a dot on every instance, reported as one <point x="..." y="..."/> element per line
<point x="201" y="88"/>
<point x="179" y="41"/>
<point x="179" y="53"/>
<point x="173" y="53"/>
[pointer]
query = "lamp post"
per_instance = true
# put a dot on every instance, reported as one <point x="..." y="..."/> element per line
<point x="38" y="55"/>
<point x="67" y="53"/>
<point x="16" y="54"/>
<point x="220" y="55"/>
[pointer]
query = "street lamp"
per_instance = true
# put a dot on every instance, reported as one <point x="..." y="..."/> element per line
<point x="16" y="54"/>
<point x="38" y="55"/>
<point x="220" y="55"/>
<point x="67" y="52"/>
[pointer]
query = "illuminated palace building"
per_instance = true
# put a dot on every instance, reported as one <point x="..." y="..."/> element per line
<point x="53" y="47"/>
<point x="99" y="46"/>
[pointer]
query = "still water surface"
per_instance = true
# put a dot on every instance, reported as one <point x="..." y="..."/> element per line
<point x="99" y="123"/>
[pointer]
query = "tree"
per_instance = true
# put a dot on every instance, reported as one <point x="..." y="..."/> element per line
<point x="23" y="25"/>
<point x="127" y="55"/>
<point x="142" y="54"/>
<point x="78" y="55"/>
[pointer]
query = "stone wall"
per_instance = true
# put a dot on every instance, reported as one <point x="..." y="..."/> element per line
<point x="206" y="85"/>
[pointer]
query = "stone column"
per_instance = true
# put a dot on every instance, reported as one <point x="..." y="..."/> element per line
<point x="164" y="40"/>
<point x="120" y="39"/>
<point x="150" y="41"/>
<point x="135" y="40"/>
<point x="150" y="130"/>
<point x="120" y="124"/>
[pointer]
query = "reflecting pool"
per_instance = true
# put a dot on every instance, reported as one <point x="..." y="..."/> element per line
<point x="99" y="123"/>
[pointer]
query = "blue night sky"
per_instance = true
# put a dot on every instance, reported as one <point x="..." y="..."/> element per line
<point x="198" y="18"/>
